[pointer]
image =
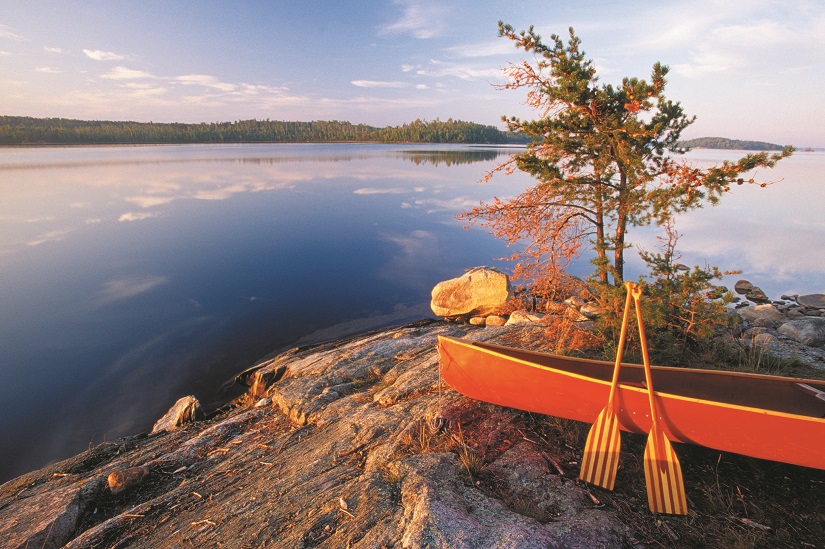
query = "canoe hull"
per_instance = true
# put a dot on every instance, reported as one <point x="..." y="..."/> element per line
<point x="493" y="376"/>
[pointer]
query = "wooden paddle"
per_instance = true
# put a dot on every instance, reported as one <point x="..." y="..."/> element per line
<point x="663" y="473"/>
<point x="601" y="451"/>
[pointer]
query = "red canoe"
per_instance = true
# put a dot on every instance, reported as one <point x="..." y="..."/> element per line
<point x="767" y="417"/>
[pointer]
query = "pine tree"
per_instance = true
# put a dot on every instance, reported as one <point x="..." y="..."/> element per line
<point x="605" y="159"/>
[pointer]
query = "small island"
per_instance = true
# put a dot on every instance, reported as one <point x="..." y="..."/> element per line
<point x="729" y="144"/>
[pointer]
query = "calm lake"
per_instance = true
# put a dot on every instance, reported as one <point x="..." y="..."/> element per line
<point x="132" y="276"/>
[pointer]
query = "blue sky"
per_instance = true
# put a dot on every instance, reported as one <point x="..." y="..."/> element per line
<point x="749" y="69"/>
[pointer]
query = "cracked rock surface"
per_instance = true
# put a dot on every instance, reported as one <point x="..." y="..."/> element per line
<point x="356" y="443"/>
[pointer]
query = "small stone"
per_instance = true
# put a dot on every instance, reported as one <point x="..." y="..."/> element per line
<point x="185" y="410"/>
<point x="523" y="317"/>
<point x="574" y="301"/>
<point x="477" y="320"/>
<point x="742" y="287"/>
<point x="126" y="478"/>
<point x="591" y="309"/>
<point x="495" y="320"/>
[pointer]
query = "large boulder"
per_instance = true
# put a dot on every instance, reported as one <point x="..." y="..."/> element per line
<point x="809" y="331"/>
<point x="478" y="292"/>
<point x="815" y="301"/>
<point x="751" y="292"/>
<point x="760" y="313"/>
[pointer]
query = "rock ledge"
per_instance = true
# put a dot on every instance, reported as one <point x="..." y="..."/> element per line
<point x="356" y="444"/>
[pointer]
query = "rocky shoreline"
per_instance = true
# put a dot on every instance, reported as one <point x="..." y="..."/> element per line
<point x="792" y="327"/>
<point x="358" y="443"/>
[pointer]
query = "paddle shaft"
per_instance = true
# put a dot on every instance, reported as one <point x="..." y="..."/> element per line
<point x="615" y="382"/>
<point x="636" y="292"/>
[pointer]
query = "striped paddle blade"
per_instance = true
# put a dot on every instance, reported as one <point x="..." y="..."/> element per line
<point x="601" y="451"/>
<point x="663" y="476"/>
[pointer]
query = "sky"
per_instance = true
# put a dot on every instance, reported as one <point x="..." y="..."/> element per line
<point x="747" y="69"/>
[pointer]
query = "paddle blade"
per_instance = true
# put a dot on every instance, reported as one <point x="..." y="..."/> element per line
<point x="601" y="451"/>
<point x="663" y="474"/>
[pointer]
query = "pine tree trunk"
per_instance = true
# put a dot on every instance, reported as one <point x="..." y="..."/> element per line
<point x="621" y="228"/>
<point x="601" y="249"/>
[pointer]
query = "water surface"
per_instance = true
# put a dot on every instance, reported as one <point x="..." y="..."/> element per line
<point x="131" y="276"/>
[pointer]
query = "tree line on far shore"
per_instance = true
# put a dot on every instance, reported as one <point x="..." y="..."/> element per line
<point x="20" y="130"/>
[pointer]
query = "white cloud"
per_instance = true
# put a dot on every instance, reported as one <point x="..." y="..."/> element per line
<point x="206" y="81"/>
<point x="50" y="236"/>
<point x="9" y="34"/>
<point x="458" y="70"/>
<point x="52" y="50"/>
<point x="99" y="55"/>
<point x="725" y="38"/>
<point x="378" y="190"/>
<point x="122" y="73"/>
<point x="420" y="19"/>
<point x="483" y="49"/>
<point x="706" y="62"/>
<point x="144" y="90"/>
<point x="136" y="216"/>
<point x="47" y="70"/>
<point x="379" y="84"/>
<point x="148" y="201"/>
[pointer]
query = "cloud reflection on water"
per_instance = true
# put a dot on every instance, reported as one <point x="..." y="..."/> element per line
<point x="126" y="288"/>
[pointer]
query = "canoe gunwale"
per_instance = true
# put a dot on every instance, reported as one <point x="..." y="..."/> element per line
<point x="500" y="351"/>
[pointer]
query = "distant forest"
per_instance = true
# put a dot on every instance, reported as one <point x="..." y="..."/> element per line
<point x="724" y="143"/>
<point x="20" y="130"/>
